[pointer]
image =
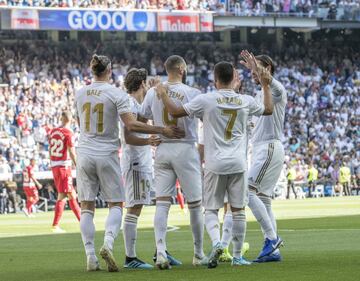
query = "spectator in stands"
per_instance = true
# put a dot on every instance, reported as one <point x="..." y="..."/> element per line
<point x="312" y="176"/>
<point x="291" y="177"/>
<point x="345" y="178"/>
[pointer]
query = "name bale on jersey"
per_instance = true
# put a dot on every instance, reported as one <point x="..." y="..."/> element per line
<point x="93" y="93"/>
<point x="227" y="100"/>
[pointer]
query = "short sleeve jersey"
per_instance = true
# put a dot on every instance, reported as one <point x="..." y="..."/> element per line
<point x="132" y="155"/>
<point x="98" y="107"/>
<point x="225" y="115"/>
<point x="60" y="140"/>
<point x="153" y="108"/>
<point x="271" y="127"/>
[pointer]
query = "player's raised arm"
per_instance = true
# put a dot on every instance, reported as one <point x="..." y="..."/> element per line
<point x="265" y="81"/>
<point x="133" y="125"/>
<point x="174" y="110"/>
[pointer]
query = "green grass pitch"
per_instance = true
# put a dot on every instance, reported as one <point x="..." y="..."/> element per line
<point x="322" y="242"/>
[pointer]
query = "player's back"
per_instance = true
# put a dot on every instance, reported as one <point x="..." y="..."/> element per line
<point x="153" y="108"/>
<point x="132" y="154"/>
<point x="98" y="108"/>
<point x="225" y="122"/>
<point x="270" y="127"/>
<point x="60" y="140"/>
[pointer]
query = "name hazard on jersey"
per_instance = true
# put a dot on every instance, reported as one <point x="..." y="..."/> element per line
<point x="227" y="100"/>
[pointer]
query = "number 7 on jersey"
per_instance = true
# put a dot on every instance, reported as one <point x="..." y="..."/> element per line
<point x="232" y="113"/>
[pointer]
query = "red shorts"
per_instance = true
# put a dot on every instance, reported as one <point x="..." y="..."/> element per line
<point x="63" y="179"/>
<point x="31" y="191"/>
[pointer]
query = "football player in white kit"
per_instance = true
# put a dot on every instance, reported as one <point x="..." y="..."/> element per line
<point x="136" y="166"/>
<point x="224" y="114"/>
<point x="99" y="107"/>
<point x="267" y="161"/>
<point x="176" y="159"/>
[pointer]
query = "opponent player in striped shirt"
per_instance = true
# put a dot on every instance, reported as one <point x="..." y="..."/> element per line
<point x="267" y="160"/>
<point x="62" y="152"/>
<point x="176" y="159"/>
<point x="99" y="107"/>
<point x="225" y="115"/>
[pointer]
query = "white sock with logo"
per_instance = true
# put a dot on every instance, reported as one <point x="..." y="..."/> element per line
<point x="160" y="225"/>
<point x="112" y="226"/>
<point x="212" y="226"/>
<point x="227" y="229"/>
<point x="130" y="234"/>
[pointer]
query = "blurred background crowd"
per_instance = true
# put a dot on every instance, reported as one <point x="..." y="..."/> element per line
<point x="323" y="83"/>
<point x="347" y="8"/>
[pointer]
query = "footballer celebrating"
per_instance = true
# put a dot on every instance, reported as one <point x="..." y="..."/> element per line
<point x="176" y="159"/>
<point x="225" y="115"/>
<point x="61" y="151"/>
<point x="136" y="166"/>
<point x="99" y="107"/>
<point x="267" y="159"/>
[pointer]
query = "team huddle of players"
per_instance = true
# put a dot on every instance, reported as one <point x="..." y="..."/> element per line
<point x="174" y="109"/>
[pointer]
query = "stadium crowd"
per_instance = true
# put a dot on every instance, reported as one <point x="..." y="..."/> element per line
<point x="237" y="7"/>
<point x="38" y="80"/>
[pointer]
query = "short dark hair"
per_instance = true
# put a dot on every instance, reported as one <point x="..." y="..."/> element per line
<point x="173" y="62"/>
<point x="66" y="114"/>
<point x="266" y="61"/>
<point x="224" y="72"/>
<point x="134" y="79"/>
<point x="99" y="64"/>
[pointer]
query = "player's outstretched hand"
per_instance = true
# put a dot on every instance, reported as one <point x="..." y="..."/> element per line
<point x="161" y="90"/>
<point x="153" y="82"/>
<point x="265" y="77"/>
<point x="173" y="132"/>
<point x="154" y="140"/>
<point x="249" y="60"/>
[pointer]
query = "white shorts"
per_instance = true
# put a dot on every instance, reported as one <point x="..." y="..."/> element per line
<point x="266" y="165"/>
<point x="96" y="174"/>
<point x="178" y="160"/>
<point x="138" y="185"/>
<point x="216" y="186"/>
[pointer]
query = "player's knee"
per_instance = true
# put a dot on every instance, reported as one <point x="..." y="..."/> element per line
<point x="135" y="210"/>
<point x="115" y="204"/>
<point x="236" y="210"/>
<point x="211" y="212"/>
<point x="265" y="199"/>
<point x="62" y="196"/>
<point x="87" y="205"/>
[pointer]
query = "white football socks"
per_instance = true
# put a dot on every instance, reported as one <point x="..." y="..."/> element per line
<point x="227" y="229"/>
<point x="130" y="234"/>
<point x="197" y="227"/>
<point x="239" y="231"/>
<point x="258" y="209"/>
<point x="112" y="226"/>
<point x="87" y="228"/>
<point x="267" y="202"/>
<point x="212" y="226"/>
<point x="160" y="225"/>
